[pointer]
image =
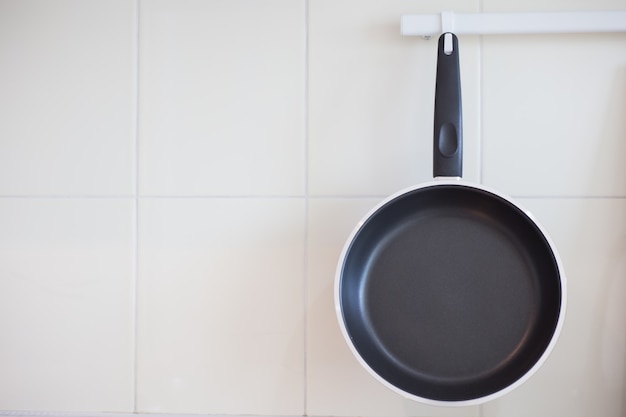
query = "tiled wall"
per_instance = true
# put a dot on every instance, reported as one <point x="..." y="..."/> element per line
<point x="177" y="178"/>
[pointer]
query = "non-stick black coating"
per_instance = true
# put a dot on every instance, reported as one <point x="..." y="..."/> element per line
<point x="450" y="292"/>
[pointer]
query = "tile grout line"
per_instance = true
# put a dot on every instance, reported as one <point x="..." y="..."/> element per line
<point x="135" y="232"/>
<point x="38" y="413"/>
<point x="283" y="197"/>
<point x="305" y="260"/>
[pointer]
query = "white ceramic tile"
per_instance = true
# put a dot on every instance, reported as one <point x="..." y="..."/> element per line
<point x="553" y="114"/>
<point x="66" y="305"/>
<point x="586" y="373"/>
<point x="222" y="97"/>
<point x="336" y="384"/>
<point x="371" y="96"/>
<point x="553" y="107"/>
<point x="220" y="325"/>
<point x="66" y="106"/>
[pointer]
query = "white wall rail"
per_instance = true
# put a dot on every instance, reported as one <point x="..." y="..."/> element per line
<point x="428" y="25"/>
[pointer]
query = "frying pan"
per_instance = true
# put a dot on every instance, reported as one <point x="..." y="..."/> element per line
<point x="450" y="293"/>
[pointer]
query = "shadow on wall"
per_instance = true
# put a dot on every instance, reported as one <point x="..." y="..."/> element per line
<point x="608" y="337"/>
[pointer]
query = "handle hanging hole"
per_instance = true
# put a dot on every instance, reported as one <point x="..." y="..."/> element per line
<point x="448" y="47"/>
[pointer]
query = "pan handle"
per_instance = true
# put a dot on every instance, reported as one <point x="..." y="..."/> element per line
<point x="448" y="130"/>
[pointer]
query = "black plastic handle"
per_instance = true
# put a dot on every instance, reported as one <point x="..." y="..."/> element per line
<point x="448" y="132"/>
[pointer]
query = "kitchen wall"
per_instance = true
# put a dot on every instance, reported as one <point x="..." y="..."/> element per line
<point x="178" y="177"/>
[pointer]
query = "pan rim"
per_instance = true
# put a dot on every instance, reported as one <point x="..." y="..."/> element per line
<point x="447" y="181"/>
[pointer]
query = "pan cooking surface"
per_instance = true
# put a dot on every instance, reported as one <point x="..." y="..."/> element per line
<point x="450" y="292"/>
<point x="452" y="278"/>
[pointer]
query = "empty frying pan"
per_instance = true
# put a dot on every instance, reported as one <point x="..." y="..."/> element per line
<point x="450" y="293"/>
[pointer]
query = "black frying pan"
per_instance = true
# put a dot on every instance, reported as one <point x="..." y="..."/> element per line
<point x="449" y="293"/>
